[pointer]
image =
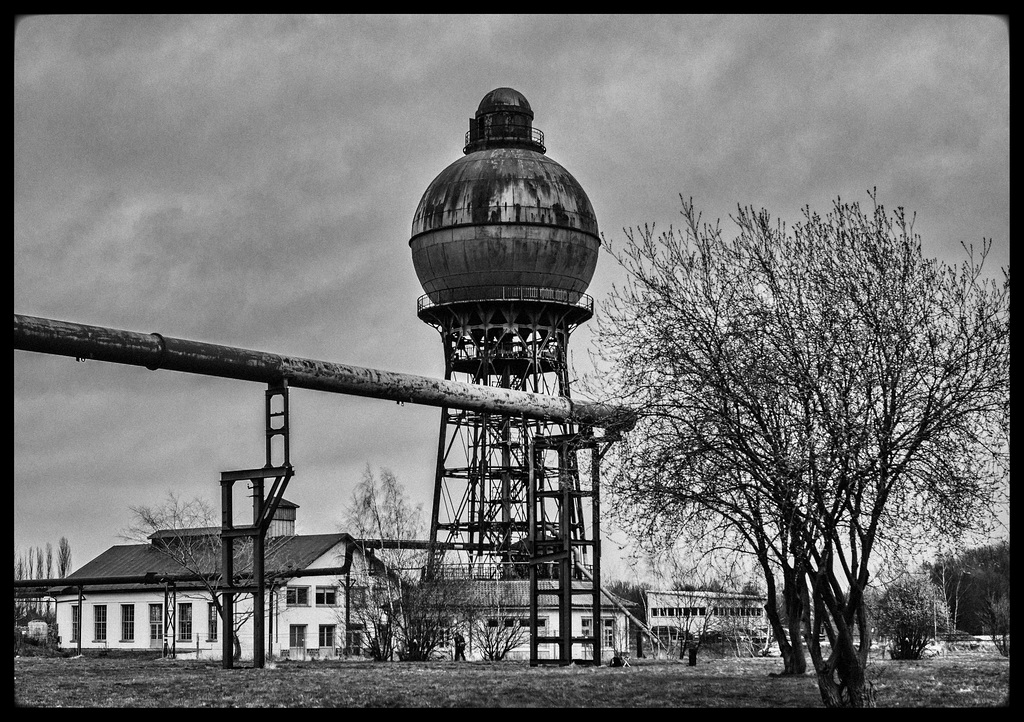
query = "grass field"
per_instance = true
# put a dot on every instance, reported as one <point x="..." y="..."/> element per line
<point x="955" y="680"/>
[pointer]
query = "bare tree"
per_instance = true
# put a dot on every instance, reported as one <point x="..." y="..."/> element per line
<point x="432" y="605"/>
<point x="63" y="557"/>
<point x="38" y="565"/>
<point x="372" y="609"/>
<point x="48" y="572"/>
<point x="20" y="572"/>
<point x="188" y="533"/>
<point x="408" y="612"/>
<point x="995" y="616"/>
<point x="496" y="624"/>
<point x="420" y="605"/>
<point x="826" y="391"/>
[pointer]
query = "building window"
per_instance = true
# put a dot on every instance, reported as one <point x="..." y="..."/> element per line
<point x="297" y="597"/>
<point x="327" y="635"/>
<point x="212" y="616"/>
<point x="75" y="622"/>
<point x="99" y="618"/>
<point x="297" y="636"/>
<point x="185" y="622"/>
<point x="156" y="621"/>
<point x="608" y="636"/>
<point x="127" y="622"/>
<point x="326" y="597"/>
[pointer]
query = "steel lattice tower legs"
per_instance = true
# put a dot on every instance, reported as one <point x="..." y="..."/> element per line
<point x="480" y="504"/>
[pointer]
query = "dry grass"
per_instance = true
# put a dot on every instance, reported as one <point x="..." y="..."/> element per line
<point x="961" y="680"/>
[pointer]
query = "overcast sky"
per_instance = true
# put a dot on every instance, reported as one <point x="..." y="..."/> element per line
<point x="251" y="181"/>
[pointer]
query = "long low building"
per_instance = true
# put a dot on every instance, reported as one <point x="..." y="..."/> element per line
<point x="320" y="601"/>
<point x="676" y="615"/>
<point x="306" y="611"/>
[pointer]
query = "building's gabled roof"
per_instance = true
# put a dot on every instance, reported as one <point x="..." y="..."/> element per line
<point x="283" y="554"/>
<point x="289" y="553"/>
<point x="128" y="560"/>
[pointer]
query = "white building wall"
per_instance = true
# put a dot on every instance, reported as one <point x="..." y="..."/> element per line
<point x="116" y="636"/>
<point x="615" y="637"/>
<point x="699" y="612"/>
<point x="315" y="602"/>
<point x="279" y="622"/>
<point x="199" y="642"/>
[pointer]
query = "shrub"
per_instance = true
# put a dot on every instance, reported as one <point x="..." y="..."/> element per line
<point x="909" y="613"/>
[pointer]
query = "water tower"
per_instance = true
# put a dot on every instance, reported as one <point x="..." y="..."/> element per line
<point x="504" y="242"/>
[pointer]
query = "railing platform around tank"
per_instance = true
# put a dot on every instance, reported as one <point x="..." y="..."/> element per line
<point x="505" y="133"/>
<point x="484" y="294"/>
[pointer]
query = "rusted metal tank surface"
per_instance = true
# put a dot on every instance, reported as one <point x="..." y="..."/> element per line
<point x="504" y="214"/>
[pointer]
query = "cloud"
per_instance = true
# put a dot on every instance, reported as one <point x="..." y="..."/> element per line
<point x="251" y="180"/>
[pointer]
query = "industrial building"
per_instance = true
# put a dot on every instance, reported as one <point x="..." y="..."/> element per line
<point x="317" y="586"/>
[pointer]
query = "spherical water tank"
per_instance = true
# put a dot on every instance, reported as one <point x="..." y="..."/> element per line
<point x="504" y="221"/>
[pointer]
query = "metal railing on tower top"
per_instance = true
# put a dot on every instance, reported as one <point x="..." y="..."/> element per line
<point x="505" y="293"/>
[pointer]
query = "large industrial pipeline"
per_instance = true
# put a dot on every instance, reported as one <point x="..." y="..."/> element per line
<point x="155" y="351"/>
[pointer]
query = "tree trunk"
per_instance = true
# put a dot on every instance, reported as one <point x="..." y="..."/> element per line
<point x="797" y="663"/>
<point x="789" y="639"/>
<point x="841" y="679"/>
<point x="794" y="656"/>
<point x="236" y="651"/>
<point x="843" y="684"/>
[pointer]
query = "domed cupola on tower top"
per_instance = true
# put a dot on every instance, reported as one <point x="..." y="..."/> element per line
<point x="504" y="119"/>
<point x="504" y="221"/>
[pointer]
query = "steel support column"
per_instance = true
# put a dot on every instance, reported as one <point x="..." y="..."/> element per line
<point x="264" y="506"/>
<point x="559" y="541"/>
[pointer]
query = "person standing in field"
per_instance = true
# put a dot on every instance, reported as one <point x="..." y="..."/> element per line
<point x="460" y="647"/>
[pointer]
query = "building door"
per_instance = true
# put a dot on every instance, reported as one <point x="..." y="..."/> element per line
<point x="297" y="641"/>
